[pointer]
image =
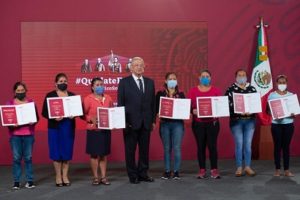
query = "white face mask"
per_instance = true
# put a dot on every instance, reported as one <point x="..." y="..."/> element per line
<point x="282" y="87"/>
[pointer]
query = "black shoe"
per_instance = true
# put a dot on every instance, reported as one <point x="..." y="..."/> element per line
<point x="16" y="186"/>
<point x="176" y="176"/>
<point x="166" y="176"/>
<point x="30" y="185"/>
<point x="134" y="181"/>
<point x="66" y="184"/>
<point x="59" y="184"/>
<point x="146" y="179"/>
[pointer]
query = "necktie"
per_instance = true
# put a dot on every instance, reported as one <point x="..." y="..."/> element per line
<point x="141" y="85"/>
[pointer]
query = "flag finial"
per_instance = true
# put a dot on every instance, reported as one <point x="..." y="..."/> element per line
<point x="261" y="24"/>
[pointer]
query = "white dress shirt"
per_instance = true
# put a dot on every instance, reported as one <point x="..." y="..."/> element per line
<point x="137" y="82"/>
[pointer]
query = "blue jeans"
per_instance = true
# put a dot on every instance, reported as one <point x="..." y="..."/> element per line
<point x="171" y="133"/>
<point x="22" y="148"/>
<point x="243" y="130"/>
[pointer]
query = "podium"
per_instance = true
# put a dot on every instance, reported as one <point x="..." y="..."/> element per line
<point x="262" y="144"/>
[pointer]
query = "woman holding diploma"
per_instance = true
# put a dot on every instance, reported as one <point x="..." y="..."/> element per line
<point x="242" y="125"/>
<point x="205" y="130"/>
<point x="171" y="130"/>
<point x="97" y="140"/>
<point x="282" y="130"/>
<point x="61" y="133"/>
<point x="21" y="140"/>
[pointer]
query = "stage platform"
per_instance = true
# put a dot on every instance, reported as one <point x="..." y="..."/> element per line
<point x="263" y="186"/>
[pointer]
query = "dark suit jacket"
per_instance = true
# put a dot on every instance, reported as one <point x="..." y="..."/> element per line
<point x="139" y="107"/>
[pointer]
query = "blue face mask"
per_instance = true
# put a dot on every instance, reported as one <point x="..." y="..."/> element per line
<point x="172" y="83"/>
<point x="204" y="81"/>
<point x="241" y="80"/>
<point x="99" y="90"/>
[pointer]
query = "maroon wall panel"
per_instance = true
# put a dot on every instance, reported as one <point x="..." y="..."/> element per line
<point x="231" y="45"/>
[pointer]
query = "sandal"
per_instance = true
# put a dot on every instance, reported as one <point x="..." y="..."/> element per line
<point x="287" y="173"/>
<point x="104" y="181"/>
<point x="249" y="172"/>
<point x="277" y="173"/>
<point x="239" y="172"/>
<point x="95" y="181"/>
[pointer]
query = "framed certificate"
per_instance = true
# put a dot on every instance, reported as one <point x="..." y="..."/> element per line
<point x="204" y="107"/>
<point x="70" y="106"/>
<point x="111" y="118"/>
<point x="103" y="118"/>
<point x="55" y="107"/>
<point x="247" y="103"/>
<point x="9" y="115"/>
<point x="174" y="108"/>
<point x="212" y="107"/>
<point x="166" y="106"/>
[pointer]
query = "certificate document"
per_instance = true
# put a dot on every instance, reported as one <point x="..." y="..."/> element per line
<point x="18" y="114"/>
<point x="70" y="106"/>
<point x="111" y="118"/>
<point x="284" y="107"/>
<point x="174" y="108"/>
<point x="212" y="106"/>
<point x="247" y="103"/>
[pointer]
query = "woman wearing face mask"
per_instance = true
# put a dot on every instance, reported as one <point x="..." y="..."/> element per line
<point x="205" y="130"/>
<point x="171" y="130"/>
<point x="21" y="140"/>
<point x="61" y="134"/>
<point x="97" y="141"/>
<point x="282" y="130"/>
<point x="242" y="125"/>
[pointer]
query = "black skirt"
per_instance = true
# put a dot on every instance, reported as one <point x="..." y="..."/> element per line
<point x="98" y="142"/>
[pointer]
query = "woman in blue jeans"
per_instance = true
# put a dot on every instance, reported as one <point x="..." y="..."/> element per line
<point x="242" y="125"/>
<point x="21" y="141"/>
<point x="171" y="130"/>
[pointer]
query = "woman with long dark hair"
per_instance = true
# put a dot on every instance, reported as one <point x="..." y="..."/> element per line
<point x="61" y="133"/>
<point x="21" y="140"/>
<point x="206" y="130"/>
<point x="171" y="130"/>
<point x="97" y="140"/>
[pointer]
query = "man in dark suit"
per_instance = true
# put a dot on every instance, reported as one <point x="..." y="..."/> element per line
<point x="86" y="66"/>
<point x="137" y="94"/>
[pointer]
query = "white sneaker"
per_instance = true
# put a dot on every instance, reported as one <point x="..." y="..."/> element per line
<point x="30" y="185"/>
<point x="16" y="186"/>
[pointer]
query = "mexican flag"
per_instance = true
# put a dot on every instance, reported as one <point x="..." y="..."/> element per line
<point x="261" y="77"/>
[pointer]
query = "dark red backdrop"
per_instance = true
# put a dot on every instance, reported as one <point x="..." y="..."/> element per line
<point x="231" y="43"/>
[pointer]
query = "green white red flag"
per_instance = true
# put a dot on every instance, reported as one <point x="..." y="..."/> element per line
<point x="261" y="77"/>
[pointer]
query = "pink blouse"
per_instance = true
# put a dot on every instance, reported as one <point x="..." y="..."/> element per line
<point x="90" y="105"/>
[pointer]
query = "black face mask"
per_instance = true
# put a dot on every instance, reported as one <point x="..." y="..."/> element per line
<point x="20" y="96"/>
<point x="62" y="86"/>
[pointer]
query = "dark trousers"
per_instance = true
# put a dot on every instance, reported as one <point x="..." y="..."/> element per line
<point x="132" y="138"/>
<point x="206" y="134"/>
<point x="282" y="135"/>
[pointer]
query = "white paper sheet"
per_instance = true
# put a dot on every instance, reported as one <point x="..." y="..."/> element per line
<point x="251" y="103"/>
<point x="116" y="118"/>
